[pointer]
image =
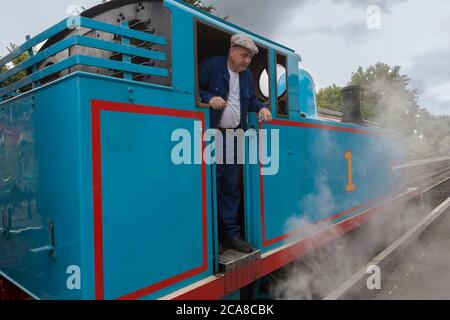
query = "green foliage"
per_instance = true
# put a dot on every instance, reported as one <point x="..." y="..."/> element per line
<point x="207" y="8"/>
<point x="388" y="100"/>
<point x="199" y="4"/>
<point x="15" y="62"/>
<point x="385" y="92"/>
<point x="3" y="68"/>
<point x="330" y="98"/>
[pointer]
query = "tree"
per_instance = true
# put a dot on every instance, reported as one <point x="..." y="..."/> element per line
<point x="388" y="100"/>
<point x="207" y="8"/>
<point x="14" y="63"/>
<point x="199" y="4"/>
<point x="196" y="3"/>
<point x="330" y="98"/>
<point x="3" y="68"/>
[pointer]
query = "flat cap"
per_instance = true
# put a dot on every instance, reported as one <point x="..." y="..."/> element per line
<point x="244" y="41"/>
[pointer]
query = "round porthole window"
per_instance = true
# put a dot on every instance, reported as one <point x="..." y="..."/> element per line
<point x="281" y="81"/>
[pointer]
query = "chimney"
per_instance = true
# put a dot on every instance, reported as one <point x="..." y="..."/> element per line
<point x="351" y="105"/>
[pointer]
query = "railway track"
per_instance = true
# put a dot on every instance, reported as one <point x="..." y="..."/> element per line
<point x="422" y="173"/>
<point x="406" y="267"/>
<point x="412" y="267"/>
<point x="339" y="269"/>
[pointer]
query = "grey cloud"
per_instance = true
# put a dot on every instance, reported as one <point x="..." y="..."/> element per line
<point x="428" y="71"/>
<point x="431" y="68"/>
<point x="266" y="17"/>
<point x="385" y="5"/>
<point x="436" y="106"/>
<point x="352" y="32"/>
<point x="263" y="17"/>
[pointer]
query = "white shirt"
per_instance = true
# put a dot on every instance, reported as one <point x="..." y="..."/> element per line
<point x="231" y="117"/>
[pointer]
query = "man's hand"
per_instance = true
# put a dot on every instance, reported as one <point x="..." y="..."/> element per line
<point x="217" y="103"/>
<point x="265" y="114"/>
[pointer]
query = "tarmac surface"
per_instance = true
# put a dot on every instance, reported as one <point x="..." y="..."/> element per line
<point x="423" y="270"/>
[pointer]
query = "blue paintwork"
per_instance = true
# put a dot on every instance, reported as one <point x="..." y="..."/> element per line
<point x="308" y="96"/>
<point x="310" y="185"/>
<point x="62" y="144"/>
<point x="145" y="216"/>
<point x="152" y="209"/>
<point x="49" y="168"/>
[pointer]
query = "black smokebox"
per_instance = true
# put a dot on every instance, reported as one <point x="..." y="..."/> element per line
<point x="351" y="105"/>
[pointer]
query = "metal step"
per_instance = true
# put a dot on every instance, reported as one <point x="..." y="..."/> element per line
<point x="231" y="259"/>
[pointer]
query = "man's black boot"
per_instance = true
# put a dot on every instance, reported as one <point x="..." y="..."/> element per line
<point x="237" y="244"/>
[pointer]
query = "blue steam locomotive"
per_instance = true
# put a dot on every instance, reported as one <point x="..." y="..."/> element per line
<point x="93" y="205"/>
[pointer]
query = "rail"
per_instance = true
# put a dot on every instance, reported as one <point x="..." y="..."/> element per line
<point x="124" y="47"/>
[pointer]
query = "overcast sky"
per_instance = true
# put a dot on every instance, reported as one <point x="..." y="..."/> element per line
<point x="332" y="36"/>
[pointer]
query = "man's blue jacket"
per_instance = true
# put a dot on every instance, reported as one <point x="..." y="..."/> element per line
<point x="214" y="80"/>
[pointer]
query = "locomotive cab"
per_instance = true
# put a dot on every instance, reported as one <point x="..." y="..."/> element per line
<point x="270" y="80"/>
<point x="212" y="41"/>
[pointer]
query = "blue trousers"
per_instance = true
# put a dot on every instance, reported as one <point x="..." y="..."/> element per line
<point x="229" y="178"/>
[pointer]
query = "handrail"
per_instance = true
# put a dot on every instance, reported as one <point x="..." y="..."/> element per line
<point x="61" y="26"/>
<point x="75" y="22"/>
<point x="120" y="31"/>
<point x="203" y="105"/>
<point x="87" y="61"/>
<point x="85" y="42"/>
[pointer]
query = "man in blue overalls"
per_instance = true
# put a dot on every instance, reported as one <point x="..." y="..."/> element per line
<point x="227" y="86"/>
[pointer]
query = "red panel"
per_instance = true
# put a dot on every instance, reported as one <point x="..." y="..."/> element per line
<point x="97" y="107"/>
<point x="9" y="291"/>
